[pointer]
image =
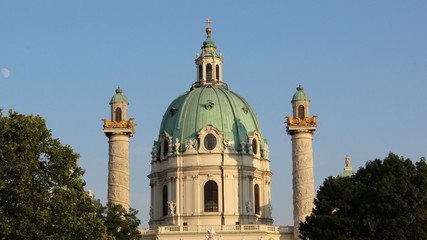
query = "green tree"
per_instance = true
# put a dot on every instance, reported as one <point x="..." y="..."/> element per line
<point x="385" y="200"/>
<point x="122" y="225"/>
<point x="41" y="189"/>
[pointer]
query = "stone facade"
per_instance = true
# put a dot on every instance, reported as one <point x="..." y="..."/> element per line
<point x="213" y="182"/>
<point x="236" y="175"/>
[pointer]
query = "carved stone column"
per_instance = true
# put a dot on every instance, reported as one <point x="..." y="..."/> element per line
<point x="118" y="169"/>
<point x="118" y="131"/>
<point x="302" y="173"/>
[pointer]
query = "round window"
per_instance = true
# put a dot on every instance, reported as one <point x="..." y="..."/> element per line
<point x="210" y="141"/>
<point x="165" y="147"/>
<point x="254" y="146"/>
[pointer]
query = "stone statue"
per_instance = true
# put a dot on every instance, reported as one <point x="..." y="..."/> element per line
<point x="250" y="148"/>
<point x="243" y="146"/>
<point x="90" y="194"/>
<point x="211" y="235"/>
<point x="172" y="206"/>
<point x="249" y="206"/>
<point x="269" y="210"/>
<point x="229" y="146"/>
<point x="190" y="144"/>
<point x="154" y="153"/>
<point x="347" y="161"/>
<point x="170" y="147"/>
<point x="177" y="145"/>
<point x="266" y="151"/>
<point x="151" y="212"/>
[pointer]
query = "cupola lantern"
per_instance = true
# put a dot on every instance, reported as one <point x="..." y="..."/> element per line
<point x="209" y="63"/>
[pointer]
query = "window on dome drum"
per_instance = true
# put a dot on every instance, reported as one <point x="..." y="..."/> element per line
<point x="211" y="196"/>
<point x="208" y="72"/>
<point x="118" y="114"/>
<point x="165" y="147"/>
<point x="200" y="72"/>
<point x="256" y="191"/>
<point x="301" y="112"/>
<point x="217" y="72"/>
<point x="210" y="141"/>
<point x="165" y="201"/>
<point x="254" y="146"/>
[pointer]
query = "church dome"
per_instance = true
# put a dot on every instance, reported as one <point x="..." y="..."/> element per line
<point x="300" y="95"/>
<point x="210" y="105"/>
<point x="119" y="97"/>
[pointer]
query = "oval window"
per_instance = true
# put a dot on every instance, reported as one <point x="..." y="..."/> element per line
<point x="210" y="141"/>
<point x="254" y="146"/>
<point x="165" y="147"/>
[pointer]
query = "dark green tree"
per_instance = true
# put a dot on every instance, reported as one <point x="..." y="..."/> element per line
<point x="384" y="200"/>
<point x="41" y="189"/>
<point x="122" y="225"/>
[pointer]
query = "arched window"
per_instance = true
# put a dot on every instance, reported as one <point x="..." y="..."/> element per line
<point x="217" y="72"/>
<point x="254" y="146"/>
<point x="200" y="72"/>
<point x="165" y="147"/>
<point x="165" y="201"/>
<point x="256" y="191"/>
<point x="118" y="114"/>
<point x="211" y="197"/>
<point x="301" y="112"/>
<point x="208" y="72"/>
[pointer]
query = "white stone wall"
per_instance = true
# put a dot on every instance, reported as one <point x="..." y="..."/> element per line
<point x="185" y="176"/>
<point x="123" y="106"/>
<point x="213" y="61"/>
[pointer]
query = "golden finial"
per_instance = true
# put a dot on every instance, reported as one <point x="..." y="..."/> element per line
<point x="208" y="29"/>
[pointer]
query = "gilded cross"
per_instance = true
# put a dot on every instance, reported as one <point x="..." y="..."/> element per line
<point x="208" y="22"/>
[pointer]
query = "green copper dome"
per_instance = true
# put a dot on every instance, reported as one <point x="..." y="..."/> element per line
<point x="208" y="48"/>
<point x="300" y="95"/>
<point x="208" y="42"/>
<point x="119" y="97"/>
<point x="346" y="173"/>
<point x="215" y="105"/>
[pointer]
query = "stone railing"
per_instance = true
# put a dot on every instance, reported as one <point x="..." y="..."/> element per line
<point x="218" y="229"/>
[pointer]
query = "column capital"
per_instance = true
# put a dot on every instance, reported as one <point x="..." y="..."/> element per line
<point x="300" y="129"/>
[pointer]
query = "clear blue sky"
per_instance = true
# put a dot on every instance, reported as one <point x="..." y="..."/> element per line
<point x="362" y="63"/>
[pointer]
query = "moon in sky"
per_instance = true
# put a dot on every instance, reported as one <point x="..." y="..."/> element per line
<point x="5" y="72"/>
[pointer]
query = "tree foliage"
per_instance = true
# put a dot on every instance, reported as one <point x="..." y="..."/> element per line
<point x="41" y="189"/>
<point x="121" y="224"/>
<point x="384" y="200"/>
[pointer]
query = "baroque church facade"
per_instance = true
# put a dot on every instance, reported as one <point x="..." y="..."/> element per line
<point x="210" y="167"/>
